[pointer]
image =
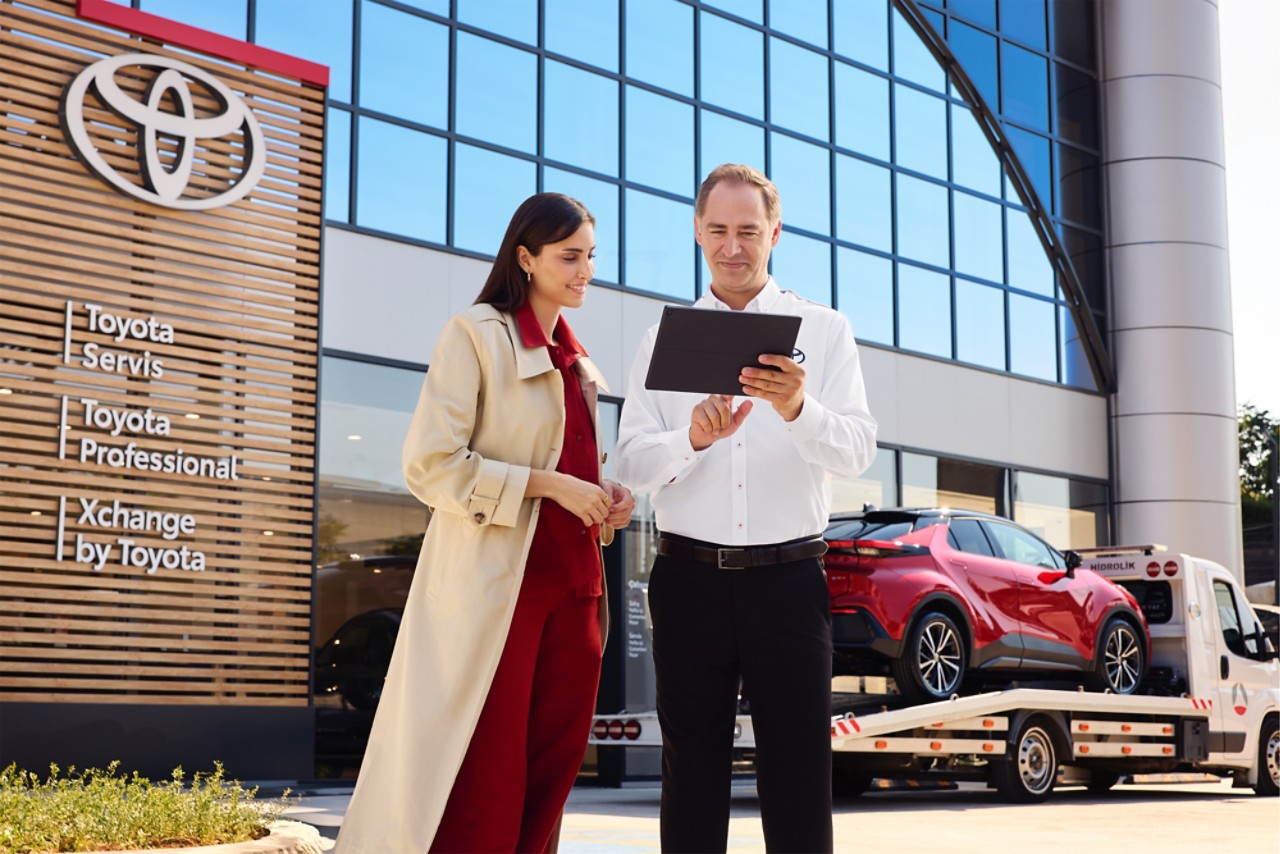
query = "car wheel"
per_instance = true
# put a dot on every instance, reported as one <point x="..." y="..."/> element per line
<point x="932" y="664"/>
<point x="1030" y="770"/>
<point x="1120" y="655"/>
<point x="1268" y="784"/>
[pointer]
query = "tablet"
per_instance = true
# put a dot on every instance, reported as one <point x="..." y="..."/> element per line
<point x="704" y="350"/>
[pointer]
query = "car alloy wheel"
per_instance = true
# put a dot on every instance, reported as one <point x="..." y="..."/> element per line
<point x="932" y="664"/>
<point x="1120" y="659"/>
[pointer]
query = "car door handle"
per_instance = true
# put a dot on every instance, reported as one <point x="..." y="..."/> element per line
<point x="959" y="564"/>
<point x="1224" y="667"/>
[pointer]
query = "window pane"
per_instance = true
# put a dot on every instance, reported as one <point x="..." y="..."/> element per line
<point x="862" y="111"/>
<point x="1073" y="31"/>
<point x="1033" y="153"/>
<point x="752" y="10"/>
<point x="798" y="90"/>
<point x="583" y="29"/>
<point x="981" y="12"/>
<point x="1079" y="186"/>
<point x="878" y="485"/>
<point x="323" y="35"/>
<point x="731" y="66"/>
<point x="924" y="311"/>
<point x="396" y="47"/>
<point x="515" y="19"/>
<point x="487" y="189"/>
<point x="860" y="31"/>
<point x="401" y="186"/>
<point x="912" y="59"/>
<point x="1033" y="340"/>
<point x="803" y="265"/>
<point x="436" y="7"/>
<point x="920" y="131"/>
<point x="1029" y="267"/>
<point x="976" y="52"/>
<point x="803" y="174"/>
<point x="580" y="121"/>
<point x="1068" y="514"/>
<point x="228" y="17"/>
<point x="863" y="203"/>
<point x="660" y="44"/>
<point x="659" y="245"/>
<point x="1075" y="361"/>
<point x="933" y="482"/>
<point x="980" y="324"/>
<point x="337" y="165"/>
<point x="865" y="294"/>
<point x="804" y="19"/>
<point x="1024" y="82"/>
<point x="924" y="223"/>
<point x="365" y="509"/>
<point x="979" y="240"/>
<point x="1024" y="20"/>
<point x="974" y="163"/>
<point x="726" y="140"/>
<point x="1017" y="545"/>
<point x="660" y="142"/>
<point x="602" y="200"/>
<point x="497" y="98"/>
<point x="1085" y="250"/>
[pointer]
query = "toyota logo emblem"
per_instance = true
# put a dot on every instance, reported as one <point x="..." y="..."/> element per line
<point x="165" y="173"/>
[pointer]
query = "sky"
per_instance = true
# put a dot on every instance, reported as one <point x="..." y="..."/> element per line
<point x="1251" y="127"/>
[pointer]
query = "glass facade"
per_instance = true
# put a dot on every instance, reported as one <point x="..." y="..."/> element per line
<point x="628" y="105"/>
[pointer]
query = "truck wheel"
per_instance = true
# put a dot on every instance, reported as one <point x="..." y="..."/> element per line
<point x="1027" y="775"/>
<point x="1120" y="665"/>
<point x="931" y="666"/>
<point x="1269" y="758"/>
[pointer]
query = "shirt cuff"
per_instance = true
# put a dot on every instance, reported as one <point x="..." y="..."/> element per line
<point x="808" y="424"/>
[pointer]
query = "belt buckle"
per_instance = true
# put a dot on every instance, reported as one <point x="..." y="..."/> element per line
<point x="722" y="553"/>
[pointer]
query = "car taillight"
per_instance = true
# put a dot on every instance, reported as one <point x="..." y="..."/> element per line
<point x="874" y="548"/>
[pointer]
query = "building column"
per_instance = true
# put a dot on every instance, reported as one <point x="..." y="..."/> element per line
<point x="1173" y="413"/>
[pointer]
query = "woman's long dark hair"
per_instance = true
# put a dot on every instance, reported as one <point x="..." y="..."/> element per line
<point x="541" y="219"/>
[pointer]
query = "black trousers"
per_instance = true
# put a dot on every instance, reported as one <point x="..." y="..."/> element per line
<point x="771" y="626"/>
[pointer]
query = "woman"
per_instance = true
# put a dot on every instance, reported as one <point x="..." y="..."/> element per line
<point x="485" y="713"/>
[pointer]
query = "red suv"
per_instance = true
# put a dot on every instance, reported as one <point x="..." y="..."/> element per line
<point x="937" y="595"/>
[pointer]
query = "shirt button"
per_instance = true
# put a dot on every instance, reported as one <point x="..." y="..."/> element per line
<point x="739" y="486"/>
<point x="584" y="530"/>
<point x="479" y="517"/>
<point x="579" y="437"/>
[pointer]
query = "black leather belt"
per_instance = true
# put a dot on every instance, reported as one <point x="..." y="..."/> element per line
<point x="742" y="557"/>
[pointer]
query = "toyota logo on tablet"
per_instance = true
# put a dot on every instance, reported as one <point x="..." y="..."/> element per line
<point x="171" y="111"/>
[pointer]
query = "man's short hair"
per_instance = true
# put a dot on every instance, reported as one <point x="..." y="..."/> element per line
<point x="737" y="173"/>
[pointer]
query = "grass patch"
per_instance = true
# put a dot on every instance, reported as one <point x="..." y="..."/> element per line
<point x="97" y="810"/>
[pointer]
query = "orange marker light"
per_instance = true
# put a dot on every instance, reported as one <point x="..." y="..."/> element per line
<point x="881" y="745"/>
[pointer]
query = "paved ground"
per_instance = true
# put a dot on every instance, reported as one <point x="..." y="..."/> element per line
<point x="1205" y="818"/>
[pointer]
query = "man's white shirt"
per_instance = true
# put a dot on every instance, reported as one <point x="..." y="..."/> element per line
<point x="769" y="482"/>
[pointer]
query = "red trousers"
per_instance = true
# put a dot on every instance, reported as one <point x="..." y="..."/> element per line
<point x="532" y="732"/>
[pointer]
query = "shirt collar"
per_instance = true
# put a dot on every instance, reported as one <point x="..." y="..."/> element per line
<point x="532" y="335"/>
<point x="763" y="301"/>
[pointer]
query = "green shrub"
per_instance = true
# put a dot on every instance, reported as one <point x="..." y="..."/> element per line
<point x="95" y="810"/>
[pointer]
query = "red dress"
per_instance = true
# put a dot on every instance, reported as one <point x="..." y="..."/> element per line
<point x="532" y="733"/>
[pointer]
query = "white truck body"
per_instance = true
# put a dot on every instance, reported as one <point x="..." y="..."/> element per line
<point x="1216" y="710"/>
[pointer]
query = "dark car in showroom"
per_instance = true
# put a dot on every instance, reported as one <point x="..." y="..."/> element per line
<point x="946" y="600"/>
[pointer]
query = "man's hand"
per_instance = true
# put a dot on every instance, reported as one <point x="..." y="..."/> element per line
<point x="714" y="419"/>
<point x="621" y="503"/>
<point x="783" y="388"/>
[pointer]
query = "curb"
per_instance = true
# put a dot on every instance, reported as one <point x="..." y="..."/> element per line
<point x="286" y="837"/>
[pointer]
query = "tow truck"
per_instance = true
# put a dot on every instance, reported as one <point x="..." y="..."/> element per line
<point x="1210" y="704"/>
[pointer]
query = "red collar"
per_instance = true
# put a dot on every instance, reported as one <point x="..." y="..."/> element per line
<point x="533" y="336"/>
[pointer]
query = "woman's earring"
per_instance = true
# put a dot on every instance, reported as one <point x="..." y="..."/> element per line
<point x="529" y="274"/>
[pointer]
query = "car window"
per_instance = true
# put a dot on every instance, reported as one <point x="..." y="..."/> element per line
<point x="1241" y="635"/>
<point x="862" y="529"/>
<point x="1018" y="545"/>
<point x="966" y="535"/>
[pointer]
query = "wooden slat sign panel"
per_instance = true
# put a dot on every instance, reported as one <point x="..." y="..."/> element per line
<point x="159" y="289"/>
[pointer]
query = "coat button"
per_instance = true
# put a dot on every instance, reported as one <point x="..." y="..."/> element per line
<point x="479" y="517"/>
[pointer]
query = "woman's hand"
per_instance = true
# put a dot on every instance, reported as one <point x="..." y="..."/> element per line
<point x="621" y="505"/>
<point x="585" y="500"/>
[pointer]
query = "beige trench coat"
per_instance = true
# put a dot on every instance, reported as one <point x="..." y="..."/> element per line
<point x="490" y="411"/>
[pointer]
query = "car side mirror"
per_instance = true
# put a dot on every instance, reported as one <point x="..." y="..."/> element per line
<point x="1073" y="560"/>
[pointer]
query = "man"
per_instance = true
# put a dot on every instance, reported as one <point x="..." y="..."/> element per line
<point x="742" y="495"/>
